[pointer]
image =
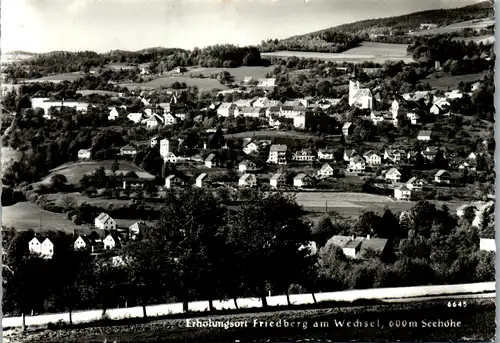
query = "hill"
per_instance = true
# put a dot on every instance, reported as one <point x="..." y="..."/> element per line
<point x="344" y="37"/>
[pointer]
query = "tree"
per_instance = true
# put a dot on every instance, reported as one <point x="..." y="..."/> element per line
<point x="68" y="203"/>
<point x="58" y="181"/>
<point x="115" y="166"/>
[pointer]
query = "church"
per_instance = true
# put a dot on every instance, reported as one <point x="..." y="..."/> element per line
<point x="359" y="97"/>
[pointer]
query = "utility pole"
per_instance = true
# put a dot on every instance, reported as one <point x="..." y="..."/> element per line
<point x="326" y="206"/>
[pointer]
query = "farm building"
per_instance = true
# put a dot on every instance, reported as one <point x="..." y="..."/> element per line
<point x="105" y="222"/>
<point x="201" y="179"/>
<point x="211" y="161"/>
<point x="357" y="247"/>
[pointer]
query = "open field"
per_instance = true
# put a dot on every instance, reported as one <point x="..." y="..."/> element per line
<point x="452" y="81"/>
<point x="469" y="24"/>
<point x="477" y="323"/>
<point x="75" y="171"/>
<point x="57" y="78"/>
<point x="488" y="39"/>
<point x="367" y="51"/>
<point x="25" y="216"/>
<point x="238" y="73"/>
<point x="100" y="92"/>
<point x="167" y="81"/>
<point x="269" y="134"/>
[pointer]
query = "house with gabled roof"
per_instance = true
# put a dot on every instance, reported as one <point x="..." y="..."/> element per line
<point x="201" y="179"/>
<point x="302" y="180"/>
<point x="135" y="117"/>
<point x="393" y="155"/>
<point x="277" y="154"/>
<point x="392" y="175"/>
<point x="357" y="164"/>
<point x="113" y="113"/>
<point x="172" y="181"/>
<point x="356" y="247"/>
<point x="424" y="135"/>
<point x="84" y="154"/>
<point x="326" y="154"/>
<point x="42" y="247"/>
<point x="247" y="180"/>
<point x="326" y="170"/>
<point x="105" y="222"/>
<point x="442" y="176"/>
<point x="349" y="154"/>
<point x="402" y="193"/>
<point x="111" y="241"/>
<point x="278" y="180"/>
<point x="81" y="243"/>
<point x="251" y="148"/>
<point x="415" y="184"/>
<point x="304" y="155"/>
<point x="211" y="161"/>
<point x="347" y="128"/>
<point x="136" y="230"/>
<point x="372" y="158"/>
<point x="246" y="166"/>
<point x="128" y="150"/>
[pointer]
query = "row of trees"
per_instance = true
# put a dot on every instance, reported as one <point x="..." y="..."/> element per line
<point x="201" y="250"/>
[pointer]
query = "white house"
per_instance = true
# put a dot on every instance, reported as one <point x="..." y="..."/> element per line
<point x="247" y="180"/>
<point x="303" y="156"/>
<point x="135" y="117"/>
<point x="349" y="154"/>
<point x="392" y="155"/>
<point x="487" y="244"/>
<point x="357" y="164"/>
<point x="201" y="179"/>
<point x="153" y="121"/>
<point x="424" y="135"/>
<point x="277" y="154"/>
<point x="302" y="180"/>
<point x="326" y="154"/>
<point x="440" y="106"/>
<point x="180" y="116"/>
<point x="43" y="248"/>
<point x="164" y="147"/>
<point x="360" y="97"/>
<point x="253" y="112"/>
<point x="80" y="243"/>
<point x="154" y="141"/>
<point x="113" y="113"/>
<point x="251" y="148"/>
<point x="128" y="150"/>
<point x="105" y="222"/>
<point x="172" y="181"/>
<point x="84" y="154"/>
<point x="347" y="128"/>
<point x="372" y="158"/>
<point x="299" y="121"/>
<point x="35" y="246"/>
<point x="170" y="157"/>
<point x="393" y="175"/>
<point x="266" y="82"/>
<point x="226" y="109"/>
<point x="247" y="165"/>
<point x="415" y="184"/>
<point x="111" y="241"/>
<point x="275" y="124"/>
<point x="402" y="193"/>
<point x="326" y="170"/>
<point x="277" y="180"/>
<point x="210" y="161"/>
<point x="169" y="119"/>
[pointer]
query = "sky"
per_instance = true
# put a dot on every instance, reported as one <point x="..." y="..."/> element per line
<point x="104" y="25"/>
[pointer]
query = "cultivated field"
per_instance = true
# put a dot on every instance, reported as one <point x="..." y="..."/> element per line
<point x="469" y="24"/>
<point x="451" y="82"/>
<point x="57" y="78"/>
<point x="167" y="81"/>
<point x="238" y="73"/>
<point x="99" y="92"/>
<point x="366" y="51"/>
<point x="75" y="171"/>
<point x="25" y="216"/>
<point x="269" y="134"/>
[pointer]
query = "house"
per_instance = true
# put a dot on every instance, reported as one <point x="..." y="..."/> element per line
<point x="172" y="181"/>
<point x="211" y="161"/>
<point x="393" y="155"/>
<point x="326" y="154"/>
<point x="135" y="117"/>
<point x="111" y="241"/>
<point x="169" y="119"/>
<point x="326" y="170"/>
<point x="266" y="82"/>
<point x="148" y="111"/>
<point x="277" y="180"/>
<point x="424" y="135"/>
<point x="402" y="193"/>
<point x="180" y="70"/>
<point x="356" y="247"/>
<point x="81" y="243"/>
<point x="247" y="180"/>
<point x="442" y="176"/>
<point x="349" y="154"/>
<point x="201" y="179"/>
<point x="427" y="26"/>
<point x="128" y="150"/>
<point x="454" y="94"/>
<point x="430" y="153"/>
<point x="59" y="104"/>
<point x="105" y="222"/>
<point x="262" y="103"/>
<point x="299" y="121"/>
<point x="251" y="148"/>
<point x="274" y="110"/>
<point x="275" y="124"/>
<point x="253" y="112"/>
<point x="377" y="117"/>
<point x="277" y="154"/>
<point x="347" y="129"/>
<point x="292" y="111"/>
<point x="372" y="158"/>
<point x="487" y="244"/>
<point x="392" y="175"/>
<point x="247" y="166"/>
<point x="415" y="184"/>
<point x="440" y="106"/>
<point x="357" y="164"/>
<point x="136" y="230"/>
<point x="180" y="116"/>
<point x="84" y="154"/>
<point x="472" y="156"/>
<point x="170" y="158"/>
<point x="43" y="248"/>
<point x="113" y="113"/>
<point x="226" y="109"/>
<point x="242" y="103"/>
<point x="153" y="121"/>
<point x="302" y="180"/>
<point x="468" y="165"/>
<point x="359" y="97"/>
<point x="164" y="147"/>
<point x="303" y="156"/>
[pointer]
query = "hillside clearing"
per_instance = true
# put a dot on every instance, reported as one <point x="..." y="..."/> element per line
<point x="238" y="73"/>
<point x="488" y="39"/>
<point x="269" y="134"/>
<point x="451" y="82"/>
<point x="167" y="81"/>
<point x="86" y="92"/>
<point x="469" y="24"/>
<point x="57" y="78"/>
<point x="366" y="51"/>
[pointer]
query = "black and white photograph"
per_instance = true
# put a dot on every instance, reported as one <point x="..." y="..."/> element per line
<point x="230" y="171"/>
